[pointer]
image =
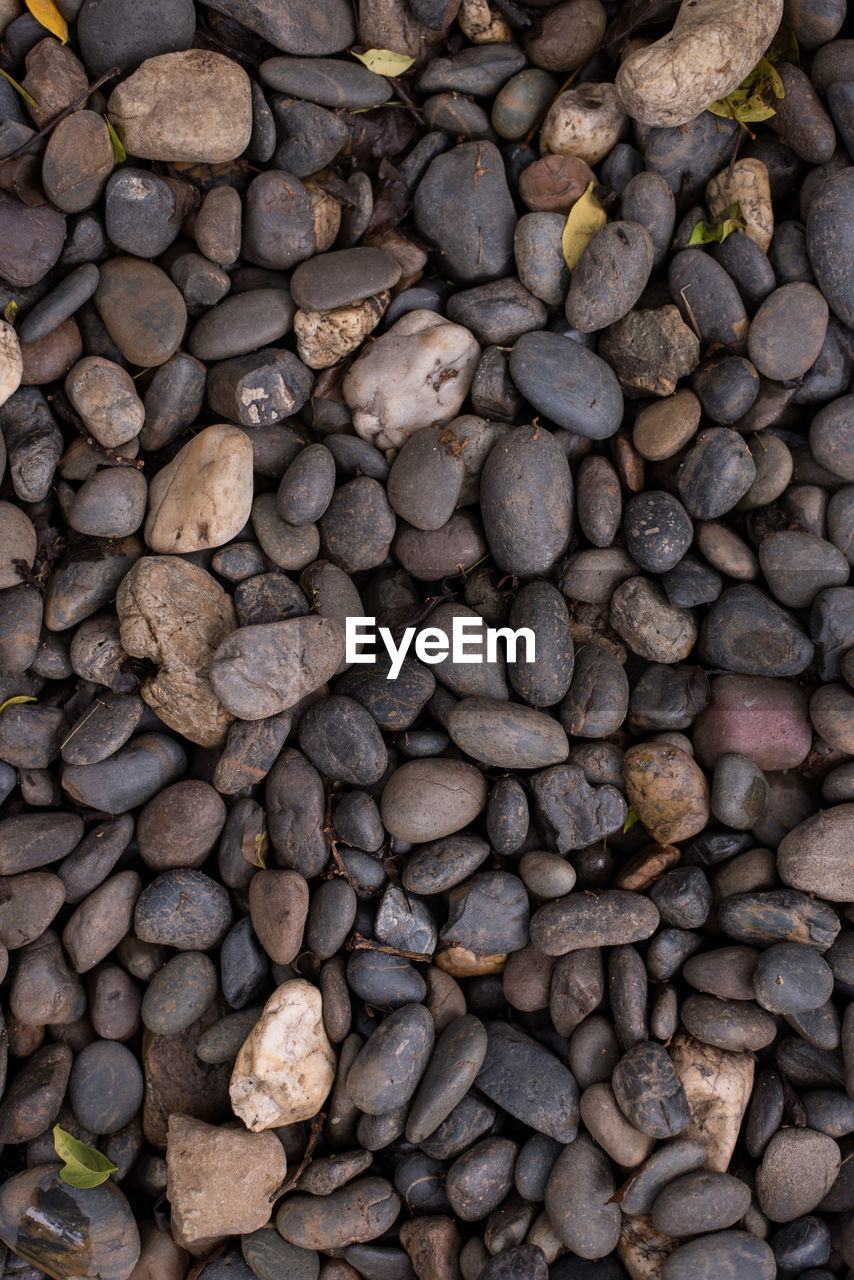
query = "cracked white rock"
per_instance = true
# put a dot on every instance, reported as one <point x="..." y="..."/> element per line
<point x="325" y="337"/>
<point x="286" y="1066"/>
<point x="416" y="375"/>
<point x="717" y="1084"/>
<point x="203" y="497"/>
<point x="221" y="1180"/>
<point x="11" y="364"/>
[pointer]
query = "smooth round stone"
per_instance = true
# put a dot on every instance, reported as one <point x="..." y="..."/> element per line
<point x="529" y="1082"/>
<point x="106" y="1086"/>
<point x="748" y="633"/>
<point x="718" y="471"/>
<point x="781" y="915"/>
<point x="440" y="865"/>
<point x="105" y="397"/>
<point x="739" y="791"/>
<point x="539" y="257"/>
<point x="649" y="1092"/>
<point x="797" y="565"/>
<point x="140" y="212"/>
<point x="787" y="332"/>
<point x="342" y="277"/>
<point x="55" y="1226"/>
<point x="520" y="101"/>
<point x="506" y="735"/>
<point x="723" y="1255"/>
<point x="497" y="312"/>
<point x="360" y="1211"/>
<point x="790" y="978"/>
<point x="34" y="1098"/>
<point x="242" y="323"/>
<point x="668" y="1162"/>
<point x="798" y="1169"/>
<point x="609" y="1128"/>
<point x="307" y="486"/>
<point x="60" y="303"/>
<point x="343" y="741"/>
<point x="271" y="1257"/>
<point x="183" y="909"/>
<point x="700" y="1201"/>
<point x="728" y="1024"/>
<point x="104" y="729"/>
<point x="425" y="479"/>
<point x="813" y="858"/>
<point x="427" y="799"/>
<point x="802" y="1245"/>
<point x="612" y="917"/>
<point x="19" y="542"/>
<point x="33" y="237"/>
<point x="572" y="386"/>
<point x="110" y="504"/>
<point x="657" y="530"/>
<point x="546" y="875"/>
<point x="828" y="243"/>
<point x="328" y="82"/>
<point x="30" y="903"/>
<point x="179" y="993"/>
<point x="142" y="310"/>
<point x="578" y="1200"/>
<point x="455" y="1062"/>
<point x="479" y="1180"/>
<point x="109" y="36"/>
<point x="30" y="840"/>
<point x="609" y="276"/>
<point x="78" y="160"/>
<point x="387" y="1070"/>
<point x="683" y="897"/>
<point x="763" y="719"/>
<point x="470" y="221"/>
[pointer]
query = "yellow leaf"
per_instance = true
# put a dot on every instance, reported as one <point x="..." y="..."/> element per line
<point x="10" y="311"/>
<point x="385" y="62"/>
<point x="118" y="145"/>
<point x="46" y="12"/>
<point x="15" y="702"/>
<point x="19" y="88"/>
<point x="585" y="218"/>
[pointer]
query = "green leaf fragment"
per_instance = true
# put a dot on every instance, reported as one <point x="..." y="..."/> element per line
<point x="15" y="702"/>
<point x="631" y="818"/>
<point x="118" y="146"/>
<point x="717" y="232"/>
<point x="19" y="88"/>
<point x="751" y="101"/>
<point x="9" y="313"/>
<point x="84" y="1166"/>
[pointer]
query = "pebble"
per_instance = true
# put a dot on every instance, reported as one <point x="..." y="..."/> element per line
<point x="142" y="310"/>
<point x="360" y="1211"/>
<point x="105" y="1088"/>
<point x="797" y="1170"/>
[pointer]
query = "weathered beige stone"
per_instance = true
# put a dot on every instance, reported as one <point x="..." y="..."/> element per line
<point x="643" y="1250"/>
<point x="160" y="1257"/>
<point x="717" y="1084"/>
<point x="193" y="106"/>
<point x="175" y="614"/>
<point x="418" y="373"/>
<point x="585" y="122"/>
<point x="221" y="1180"/>
<point x="286" y="1066"/>
<point x="325" y="337"/>
<point x="104" y="395"/>
<point x="11" y="363"/>
<point x="746" y="182"/>
<point x="203" y="497"/>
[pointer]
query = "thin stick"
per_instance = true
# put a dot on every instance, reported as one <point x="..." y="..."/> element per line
<point x="313" y="1140"/>
<point x="66" y="111"/>
<point x="357" y="943"/>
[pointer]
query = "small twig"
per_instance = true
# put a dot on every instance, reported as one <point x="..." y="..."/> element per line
<point x="339" y="868"/>
<point x="526" y="141"/>
<point x="66" y="111"/>
<point x="314" y="1138"/>
<point x="357" y="943"/>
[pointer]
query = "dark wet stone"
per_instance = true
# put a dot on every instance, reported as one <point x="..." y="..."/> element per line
<point x="781" y="915"/>
<point x="311" y="138"/>
<point x="498" y="312"/>
<point x="393" y="704"/>
<point x="488" y="914"/>
<point x="327" y="1174"/>
<point x="308" y="30"/>
<point x="747" y="633"/>
<point x="32" y="240"/>
<point x="717" y="471"/>
<point x="387" y="1070"/>
<point x="507" y="816"/>
<point x="307" y="486"/>
<point x="183" y="909"/>
<point x="569" y="384"/>
<point x="829" y="243"/>
<point x="179" y="993"/>
<point x="259" y="388"/>
<point x="360" y="1211"/>
<point x="527" y="1080"/>
<point x="728" y="1024"/>
<point x="33" y="444"/>
<point x="579" y="1200"/>
<point x="222" y="1042"/>
<point x="53" y="1225"/>
<point x="470" y="221"/>
<point x="800" y="1246"/>
<point x="36" y="839"/>
<point x="242" y="323"/>
<point x="790" y="978"/>
<point x="33" y="1100"/>
<point x="271" y="1257"/>
<point x="610" y="918"/>
<point x="481" y="70"/>
<point x="683" y="897"/>
<point x="343" y="277"/>
<point x="649" y="1093"/>
<point x="343" y="741"/>
<point x="106" y="1086"/>
<point x="144" y="313"/>
<point x="715" y="305"/>
<point x="111" y="37"/>
<point x="243" y="965"/>
<point x="723" y="1255"/>
<point x="574" y="812"/>
<point x="657" y="530"/>
<point x="128" y="778"/>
